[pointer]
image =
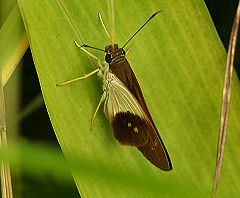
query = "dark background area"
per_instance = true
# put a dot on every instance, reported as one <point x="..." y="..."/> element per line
<point x="37" y="126"/>
<point x="223" y="13"/>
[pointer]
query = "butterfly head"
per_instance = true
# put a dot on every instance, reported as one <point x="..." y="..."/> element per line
<point x="113" y="53"/>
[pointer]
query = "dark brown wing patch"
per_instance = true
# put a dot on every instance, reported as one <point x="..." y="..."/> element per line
<point x="156" y="152"/>
<point x="130" y="129"/>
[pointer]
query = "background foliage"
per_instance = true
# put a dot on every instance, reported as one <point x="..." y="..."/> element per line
<point x="179" y="61"/>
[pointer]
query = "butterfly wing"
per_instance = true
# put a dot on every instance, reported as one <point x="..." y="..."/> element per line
<point x="125" y="114"/>
<point x="154" y="150"/>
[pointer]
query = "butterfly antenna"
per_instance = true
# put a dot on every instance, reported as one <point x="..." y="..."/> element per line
<point x="141" y="28"/>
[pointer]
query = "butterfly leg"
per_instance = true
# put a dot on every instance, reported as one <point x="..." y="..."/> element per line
<point x="129" y="49"/>
<point x="90" y="54"/>
<point x="82" y="77"/>
<point x="104" y="27"/>
<point x="89" y="74"/>
<point x="100" y="102"/>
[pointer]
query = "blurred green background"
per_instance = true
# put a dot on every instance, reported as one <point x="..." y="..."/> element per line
<point x="23" y="97"/>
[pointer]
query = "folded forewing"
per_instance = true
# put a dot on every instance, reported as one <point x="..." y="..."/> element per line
<point x="128" y="120"/>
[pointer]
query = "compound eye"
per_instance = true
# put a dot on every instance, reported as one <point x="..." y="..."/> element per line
<point x="108" y="58"/>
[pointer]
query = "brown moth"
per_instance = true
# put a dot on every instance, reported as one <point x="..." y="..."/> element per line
<point x="125" y="106"/>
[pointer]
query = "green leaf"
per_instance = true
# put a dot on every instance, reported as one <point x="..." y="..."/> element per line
<point x="13" y="42"/>
<point x="40" y="159"/>
<point x="179" y="61"/>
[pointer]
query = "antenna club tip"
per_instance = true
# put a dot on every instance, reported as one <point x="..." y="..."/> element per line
<point x="155" y="13"/>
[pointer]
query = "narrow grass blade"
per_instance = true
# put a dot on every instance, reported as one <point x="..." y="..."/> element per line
<point x="6" y="184"/>
<point x="226" y="99"/>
